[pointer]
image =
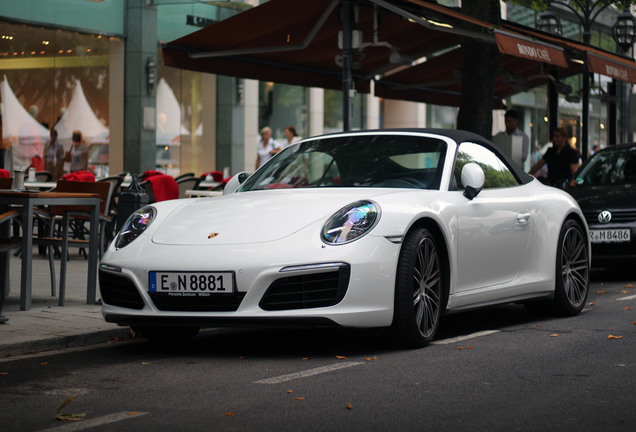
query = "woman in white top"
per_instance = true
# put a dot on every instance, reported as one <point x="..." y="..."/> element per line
<point x="267" y="147"/>
<point x="291" y="135"/>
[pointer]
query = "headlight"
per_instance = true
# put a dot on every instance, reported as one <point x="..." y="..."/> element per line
<point x="350" y="223"/>
<point x="135" y="225"/>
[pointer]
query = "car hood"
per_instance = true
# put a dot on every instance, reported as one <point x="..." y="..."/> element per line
<point x="253" y="217"/>
<point x="592" y="198"/>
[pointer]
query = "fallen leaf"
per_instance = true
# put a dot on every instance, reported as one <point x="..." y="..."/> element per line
<point x="469" y="347"/>
<point x="229" y="414"/>
<point x="242" y="358"/>
<point x="65" y="403"/>
<point x="600" y="292"/>
<point x="614" y="337"/>
<point x="349" y="406"/>
<point x="44" y="363"/>
<point x="299" y="398"/>
<point x="625" y="292"/>
<point x="554" y="335"/>
<point x="132" y="413"/>
<point x="629" y="286"/>
<point x="71" y="416"/>
<point x="342" y="357"/>
<point x="145" y="363"/>
<point x="290" y="391"/>
<point x="460" y="348"/>
<point x="4" y="373"/>
<point x="628" y="308"/>
<point x="306" y="358"/>
<point x="368" y="358"/>
<point x="377" y="358"/>
<point x="538" y="325"/>
<point x="591" y="303"/>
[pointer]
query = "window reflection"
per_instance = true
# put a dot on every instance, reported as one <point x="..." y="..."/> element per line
<point x="53" y="79"/>
<point x="497" y="173"/>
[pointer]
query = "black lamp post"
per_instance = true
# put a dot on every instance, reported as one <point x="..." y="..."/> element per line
<point x="624" y="32"/>
<point x="586" y="11"/>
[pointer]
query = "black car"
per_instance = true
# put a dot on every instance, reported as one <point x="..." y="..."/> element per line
<point x="605" y="188"/>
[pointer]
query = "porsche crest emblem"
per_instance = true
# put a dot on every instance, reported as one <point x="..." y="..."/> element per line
<point x="212" y="235"/>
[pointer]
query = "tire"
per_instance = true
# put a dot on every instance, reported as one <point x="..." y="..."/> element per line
<point x="572" y="270"/>
<point x="418" y="290"/>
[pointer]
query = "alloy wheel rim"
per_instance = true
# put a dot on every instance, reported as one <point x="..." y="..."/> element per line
<point x="427" y="287"/>
<point x="575" y="267"/>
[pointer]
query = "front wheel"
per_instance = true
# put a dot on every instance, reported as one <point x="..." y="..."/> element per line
<point x="418" y="290"/>
<point x="572" y="269"/>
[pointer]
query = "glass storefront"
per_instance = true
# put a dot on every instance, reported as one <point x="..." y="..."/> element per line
<point x="53" y="79"/>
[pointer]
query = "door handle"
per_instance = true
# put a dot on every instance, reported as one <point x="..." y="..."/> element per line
<point x="523" y="217"/>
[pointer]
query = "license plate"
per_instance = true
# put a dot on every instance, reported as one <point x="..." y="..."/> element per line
<point x="191" y="283"/>
<point x="619" y="235"/>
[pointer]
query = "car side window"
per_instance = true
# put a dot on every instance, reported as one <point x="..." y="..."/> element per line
<point x="497" y="173"/>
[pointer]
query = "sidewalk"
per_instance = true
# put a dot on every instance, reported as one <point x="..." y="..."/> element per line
<point x="47" y="326"/>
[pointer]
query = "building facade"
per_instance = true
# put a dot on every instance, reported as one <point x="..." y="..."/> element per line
<point x="95" y="67"/>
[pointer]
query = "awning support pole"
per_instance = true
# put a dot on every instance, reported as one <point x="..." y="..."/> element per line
<point x="347" y="60"/>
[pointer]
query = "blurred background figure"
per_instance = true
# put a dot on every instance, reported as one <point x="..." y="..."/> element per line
<point x="78" y="153"/>
<point x="291" y="136"/>
<point x="54" y="156"/>
<point x="267" y="147"/>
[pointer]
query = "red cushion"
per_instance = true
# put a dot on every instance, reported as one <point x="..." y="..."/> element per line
<point x="37" y="162"/>
<point x="151" y="173"/>
<point x="217" y="176"/>
<point x="5" y="172"/>
<point x="80" y="175"/>
<point x="164" y="187"/>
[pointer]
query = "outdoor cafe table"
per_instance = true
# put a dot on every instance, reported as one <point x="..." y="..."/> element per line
<point x="27" y="201"/>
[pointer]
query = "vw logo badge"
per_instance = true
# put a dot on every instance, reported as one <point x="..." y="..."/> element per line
<point x="605" y="216"/>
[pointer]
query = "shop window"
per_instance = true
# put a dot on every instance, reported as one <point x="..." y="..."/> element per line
<point x="53" y="79"/>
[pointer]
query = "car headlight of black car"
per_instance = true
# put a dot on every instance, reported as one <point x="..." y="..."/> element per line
<point x="135" y="225"/>
<point x="350" y="223"/>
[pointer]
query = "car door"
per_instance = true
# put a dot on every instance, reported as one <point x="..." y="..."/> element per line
<point x="493" y="229"/>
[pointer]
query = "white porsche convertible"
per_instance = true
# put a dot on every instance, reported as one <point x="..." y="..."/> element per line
<point x="387" y="228"/>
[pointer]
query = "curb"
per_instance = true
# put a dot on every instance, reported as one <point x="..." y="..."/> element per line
<point x="62" y="342"/>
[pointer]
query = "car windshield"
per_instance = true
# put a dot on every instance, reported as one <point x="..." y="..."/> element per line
<point x="612" y="166"/>
<point x="380" y="160"/>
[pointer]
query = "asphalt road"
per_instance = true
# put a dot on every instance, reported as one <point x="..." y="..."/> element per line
<point x="499" y="369"/>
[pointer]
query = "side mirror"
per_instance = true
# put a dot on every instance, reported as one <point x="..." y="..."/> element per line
<point x="234" y="182"/>
<point x="473" y="179"/>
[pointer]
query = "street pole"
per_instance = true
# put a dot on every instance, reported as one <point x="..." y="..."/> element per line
<point x="347" y="60"/>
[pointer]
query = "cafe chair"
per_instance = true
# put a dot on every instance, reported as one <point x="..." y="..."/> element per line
<point x="185" y="175"/>
<point x="187" y="184"/>
<point x="43" y="176"/>
<point x="217" y="176"/>
<point x="115" y="182"/>
<point x="6" y="182"/>
<point x="160" y="188"/>
<point x="13" y="242"/>
<point x="67" y="225"/>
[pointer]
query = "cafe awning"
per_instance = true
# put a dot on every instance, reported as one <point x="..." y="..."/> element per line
<point x="410" y="48"/>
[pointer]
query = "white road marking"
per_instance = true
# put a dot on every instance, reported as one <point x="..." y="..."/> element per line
<point x="463" y="338"/>
<point x="91" y="423"/>
<point x="307" y="373"/>
<point x="632" y="297"/>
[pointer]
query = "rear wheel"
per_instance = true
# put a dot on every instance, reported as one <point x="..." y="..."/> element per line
<point x="418" y="290"/>
<point x="573" y="270"/>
